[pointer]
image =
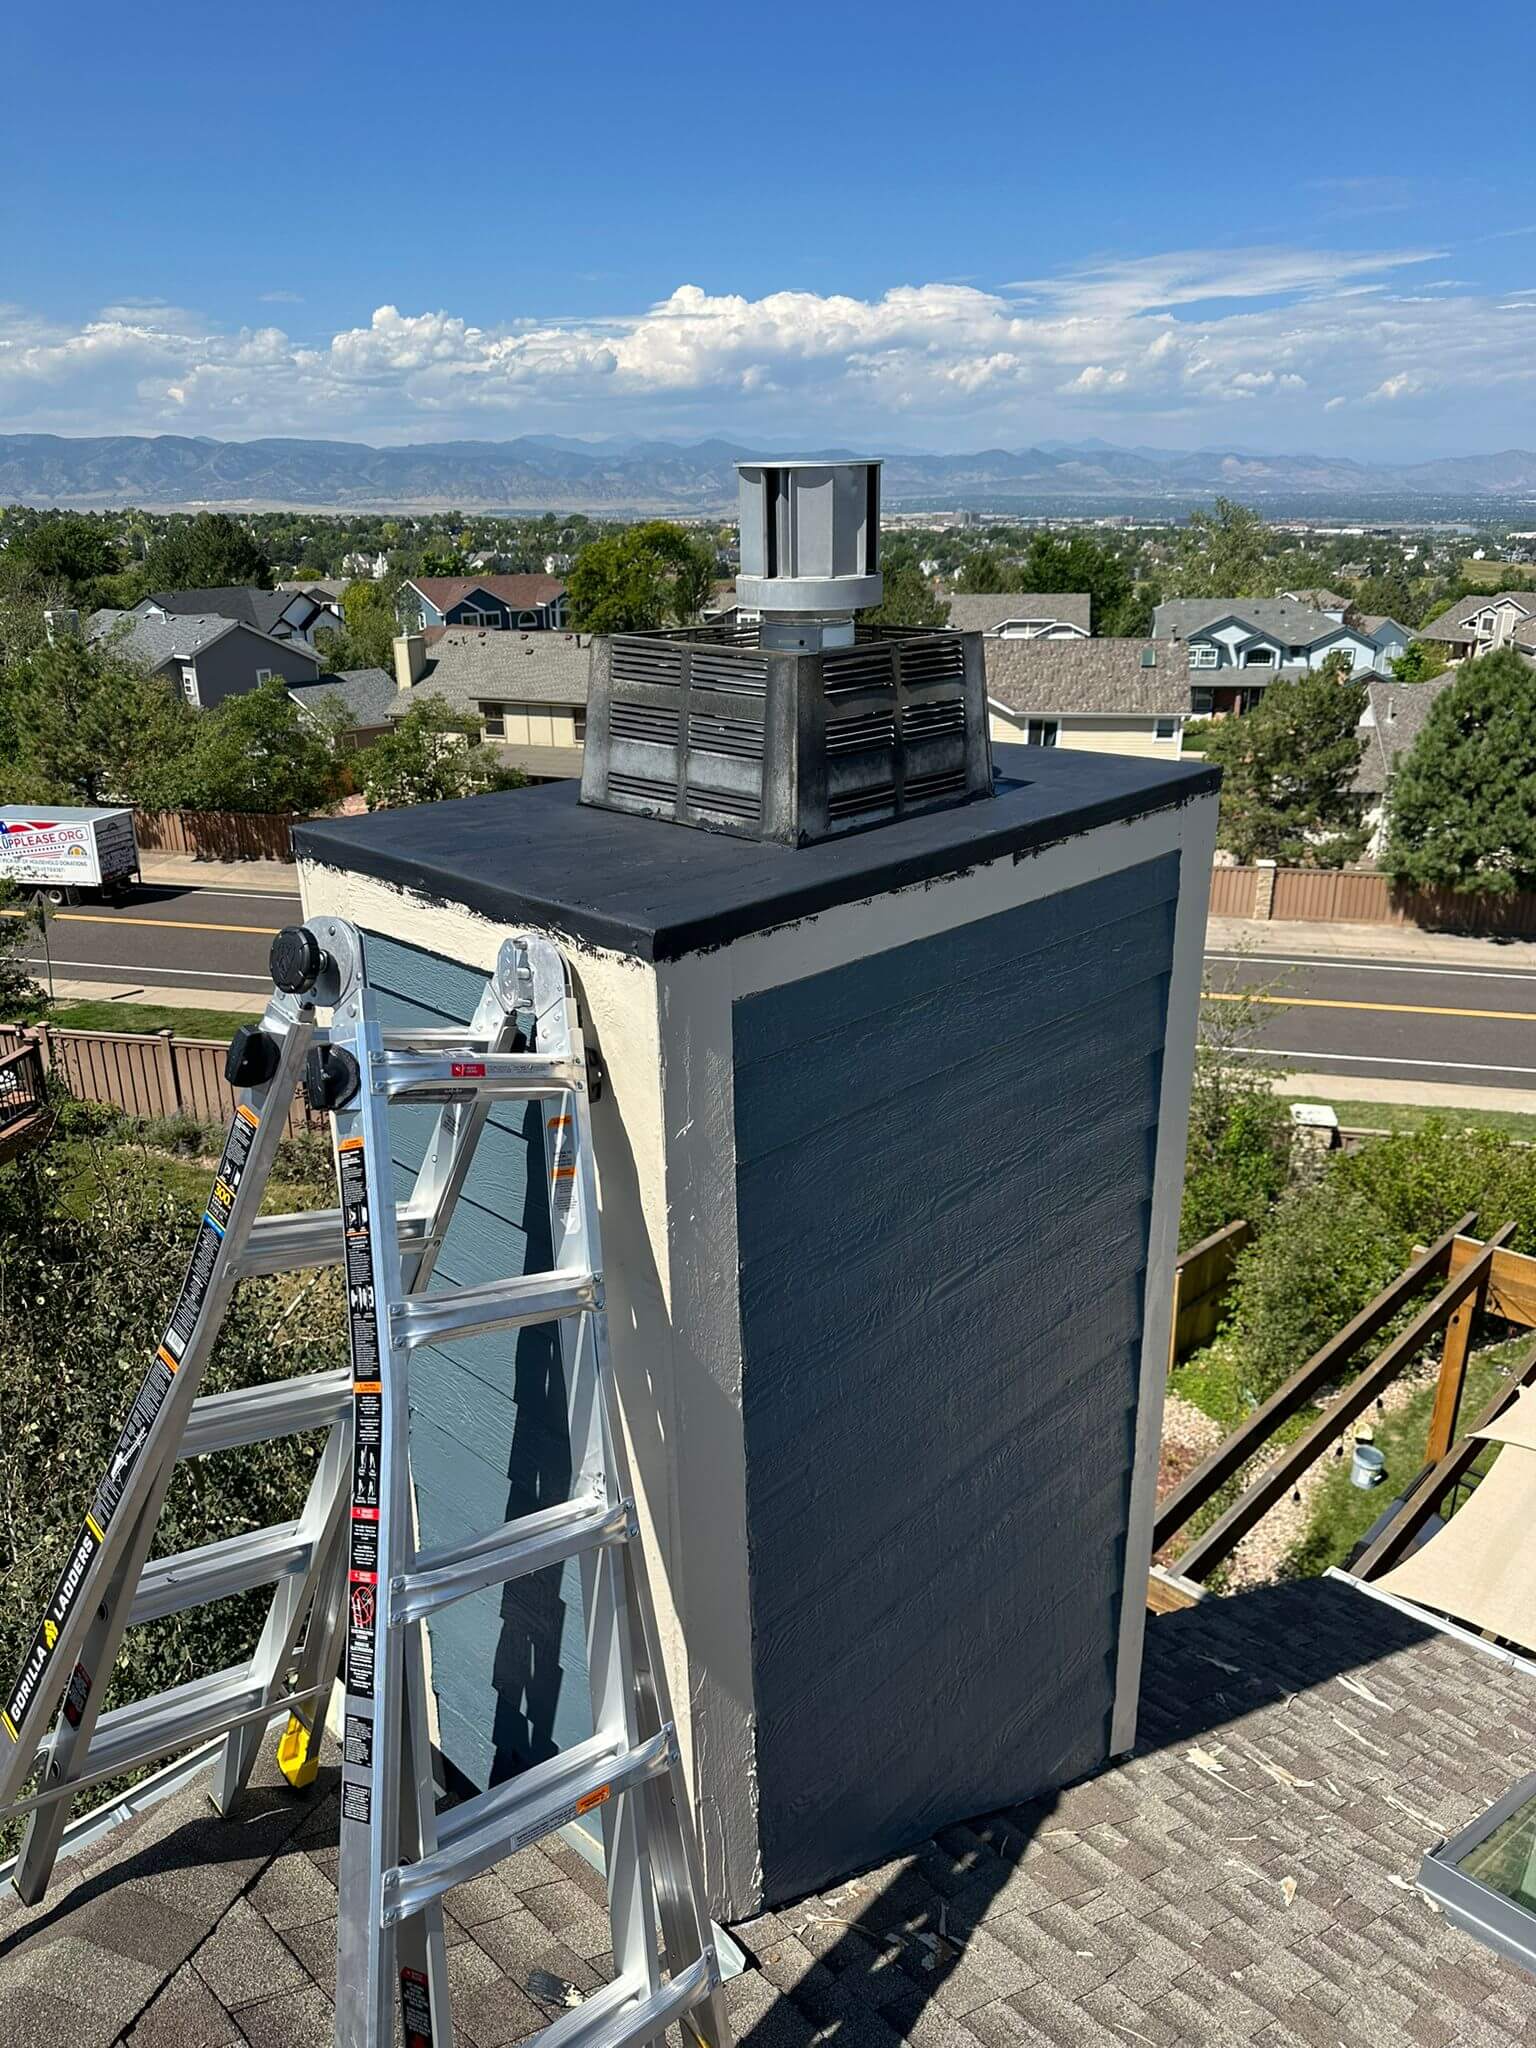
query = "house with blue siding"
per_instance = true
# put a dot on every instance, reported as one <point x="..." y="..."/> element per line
<point x="505" y="604"/>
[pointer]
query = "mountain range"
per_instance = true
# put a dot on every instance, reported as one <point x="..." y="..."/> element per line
<point x="550" y="472"/>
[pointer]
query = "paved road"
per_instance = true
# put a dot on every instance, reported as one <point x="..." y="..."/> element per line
<point x="213" y="939"/>
<point x="1371" y="1017"/>
<point x="1334" y="1016"/>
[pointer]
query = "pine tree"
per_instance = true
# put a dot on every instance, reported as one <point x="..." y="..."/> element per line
<point x="1461" y="810"/>
<point x="1289" y="768"/>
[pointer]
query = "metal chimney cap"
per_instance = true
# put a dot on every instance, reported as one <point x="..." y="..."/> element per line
<point x="810" y="536"/>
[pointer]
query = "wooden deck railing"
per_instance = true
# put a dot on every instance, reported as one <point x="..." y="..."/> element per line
<point x="23" y="1099"/>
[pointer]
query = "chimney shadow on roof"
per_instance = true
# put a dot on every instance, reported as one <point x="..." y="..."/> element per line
<point x="878" y="1950"/>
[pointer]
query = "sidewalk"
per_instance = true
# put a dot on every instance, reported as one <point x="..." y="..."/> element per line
<point x="1446" y="1095"/>
<point x="1404" y="944"/>
<point x="180" y="871"/>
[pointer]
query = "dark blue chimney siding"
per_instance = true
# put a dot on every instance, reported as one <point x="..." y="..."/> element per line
<point x="488" y="1421"/>
<point x="945" y="1152"/>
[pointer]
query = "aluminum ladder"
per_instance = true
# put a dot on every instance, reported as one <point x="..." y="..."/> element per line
<point x="352" y="1585"/>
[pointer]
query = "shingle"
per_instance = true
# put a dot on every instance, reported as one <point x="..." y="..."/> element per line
<point x="1051" y="678"/>
<point x="244" y="1960"/>
<point x="981" y="611"/>
<point x="186" y="2014"/>
<point x="298" y="2019"/>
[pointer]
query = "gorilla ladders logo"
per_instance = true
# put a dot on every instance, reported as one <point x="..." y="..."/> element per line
<point x="46" y="1640"/>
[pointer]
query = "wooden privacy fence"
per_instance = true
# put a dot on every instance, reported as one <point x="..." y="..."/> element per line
<point x="1357" y="896"/>
<point x="146" y="1074"/>
<point x="1200" y="1284"/>
<point x="216" y="835"/>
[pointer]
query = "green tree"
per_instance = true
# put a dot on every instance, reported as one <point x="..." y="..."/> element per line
<point x="427" y="756"/>
<point x="640" y="579"/>
<point x="366" y="640"/>
<point x="1420" y="662"/>
<point x="255" y="752"/>
<point x="1080" y="561"/>
<point x="20" y="995"/>
<point x="1289" y="767"/>
<point x="1461" y="809"/>
<point x="69" y="549"/>
<point x="80" y="724"/>
<point x="908" y="598"/>
<point x="206" y="553"/>
<point x="1239" y="1129"/>
<point x="1221" y="553"/>
<point x="985" y="569"/>
<point x="1391" y="596"/>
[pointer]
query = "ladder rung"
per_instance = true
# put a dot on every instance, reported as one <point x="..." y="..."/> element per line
<point x="498" y="1305"/>
<point x="482" y="1831"/>
<point x="511" y="1552"/>
<point x="626" y="2012"/>
<point x="289" y="1244"/>
<point x="490" y="1074"/>
<point x="257" y="1415"/>
<point x="235" y="1564"/>
<point x="435" y="1038"/>
<point x="180" y="1719"/>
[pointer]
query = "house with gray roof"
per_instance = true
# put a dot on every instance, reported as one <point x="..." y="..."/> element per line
<point x="1107" y="696"/>
<point x="359" y="703"/>
<point x="1023" y="615"/>
<point x="284" y="614"/>
<point x="1321" y="600"/>
<point x="1271" y="633"/>
<point x="526" y="690"/>
<point x="207" y="656"/>
<point x="1481" y="624"/>
<point x="1391" y="722"/>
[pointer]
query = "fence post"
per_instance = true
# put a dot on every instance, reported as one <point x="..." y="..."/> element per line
<point x="44" y="1039"/>
<point x="1264" y="888"/>
<point x="170" y="1076"/>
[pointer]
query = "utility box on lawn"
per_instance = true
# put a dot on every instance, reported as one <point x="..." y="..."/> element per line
<point x="889" y="1139"/>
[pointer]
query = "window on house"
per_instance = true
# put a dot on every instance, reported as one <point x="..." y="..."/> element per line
<point x="493" y="719"/>
<point x="189" y="684"/>
<point x="527" y="619"/>
<point x="1259" y="657"/>
<point x="1202" y="654"/>
<point x="1041" y="732"/>
<point x="1202" y="702"/>
<point x="1165" y="729"/>
<point x="579" y="723"/>
<point x="263" y="675"/>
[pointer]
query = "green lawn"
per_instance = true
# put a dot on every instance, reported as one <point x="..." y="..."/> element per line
<point x="150" y="1017"/>
<point x="1412" y="1116"/>
<point x="1341" y="1513"/>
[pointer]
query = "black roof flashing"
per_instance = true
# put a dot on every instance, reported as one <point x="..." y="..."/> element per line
<point x="650" y="888"/>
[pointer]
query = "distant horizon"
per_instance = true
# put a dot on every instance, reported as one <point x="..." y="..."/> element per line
<point x="787" y="447"/>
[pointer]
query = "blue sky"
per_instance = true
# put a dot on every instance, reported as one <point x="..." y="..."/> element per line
<point x="1173" y="222"/>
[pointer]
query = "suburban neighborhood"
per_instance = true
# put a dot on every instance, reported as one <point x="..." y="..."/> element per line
<point x="768" y="1029"/>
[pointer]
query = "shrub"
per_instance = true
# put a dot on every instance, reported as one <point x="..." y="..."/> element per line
<point x="1421" y="1181"/>
<point x="83" y="1301"/>
<point x="1239" y="1129"/>
<point x="1325" y="1250"/>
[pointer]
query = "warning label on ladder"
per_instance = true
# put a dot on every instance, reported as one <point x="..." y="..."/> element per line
<point x="367" y="1421"/>
<point x="210" y="1235"/>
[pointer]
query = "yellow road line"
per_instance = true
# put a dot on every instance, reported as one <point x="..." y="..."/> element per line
<point x="1338" y="1003"/>
<point x="174" y="924"/>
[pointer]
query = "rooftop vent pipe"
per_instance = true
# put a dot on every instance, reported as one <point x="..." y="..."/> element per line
<point x="810" y="549"/>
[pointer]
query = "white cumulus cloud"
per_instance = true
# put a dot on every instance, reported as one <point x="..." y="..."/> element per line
<point x="1173" y="338"/>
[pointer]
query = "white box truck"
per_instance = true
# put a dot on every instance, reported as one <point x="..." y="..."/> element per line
<point x="63" y="853"/>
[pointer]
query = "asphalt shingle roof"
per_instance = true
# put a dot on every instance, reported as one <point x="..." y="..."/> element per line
<point x="1293" y="625"/>
<point x="1321" y="600"/>
<point x="154" y="642"/>
<point x="247" y="607"/>
<point x="983" y="611"/>
<point x="1394" y="721"/>
<point x="468" y="666"/>
<point x="1045" y="678"/>
<point x="1456" y="624"/>
<point x="520" y="593"/>
<point x="1247" y="1876"/>
<point x="368" y="694"/>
